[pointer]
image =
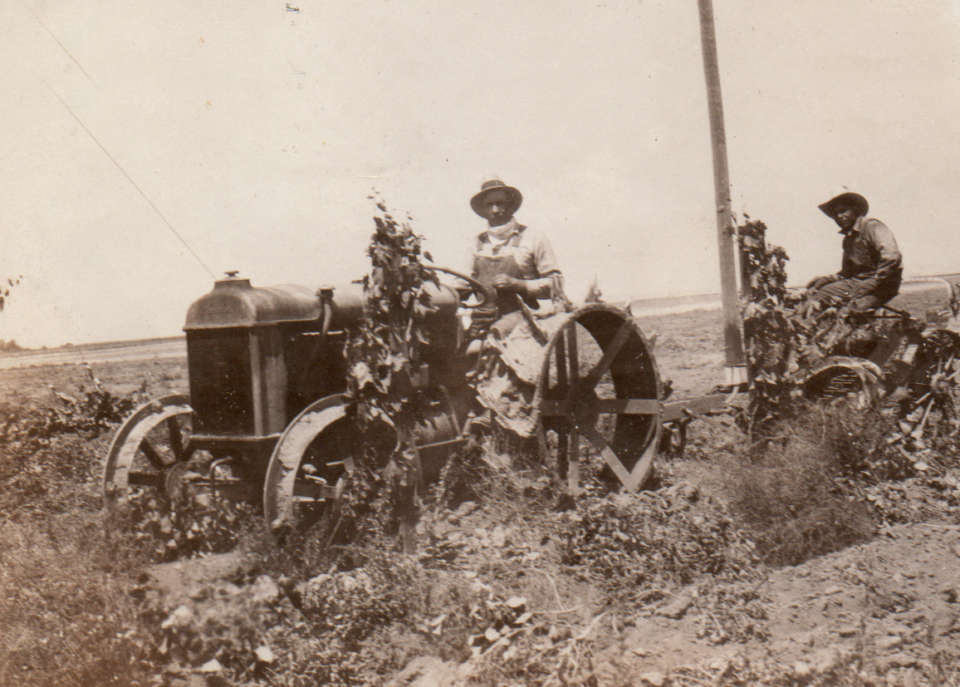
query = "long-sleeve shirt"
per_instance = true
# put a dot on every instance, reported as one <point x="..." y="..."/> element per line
<point x="870" y="250"/>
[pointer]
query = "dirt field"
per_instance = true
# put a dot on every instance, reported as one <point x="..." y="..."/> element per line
<point x="97" y="353"/>
<point x="508" y="587"/>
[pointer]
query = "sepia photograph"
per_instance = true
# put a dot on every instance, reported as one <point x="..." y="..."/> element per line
<point x="401" y="343"/>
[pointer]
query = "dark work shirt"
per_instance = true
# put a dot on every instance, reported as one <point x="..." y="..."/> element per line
<point x="870" y="250"/>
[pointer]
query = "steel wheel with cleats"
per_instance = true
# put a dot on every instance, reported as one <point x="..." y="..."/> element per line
<point x="599" y="396"/>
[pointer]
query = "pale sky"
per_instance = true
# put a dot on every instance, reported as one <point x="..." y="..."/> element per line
<point x="259" y="132"/>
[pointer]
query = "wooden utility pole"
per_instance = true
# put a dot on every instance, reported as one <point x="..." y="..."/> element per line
<point x="735" y="369"/>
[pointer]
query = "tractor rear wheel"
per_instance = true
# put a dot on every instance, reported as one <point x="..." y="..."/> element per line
<point x="599" y="396"/>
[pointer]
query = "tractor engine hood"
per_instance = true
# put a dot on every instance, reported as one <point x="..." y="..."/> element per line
<point x="233" y="302"/>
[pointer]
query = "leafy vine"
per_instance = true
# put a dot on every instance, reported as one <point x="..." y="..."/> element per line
<point x="385" y="364"/>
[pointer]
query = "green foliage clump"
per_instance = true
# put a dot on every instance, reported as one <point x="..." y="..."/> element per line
<point x="386" y="347"/>
<point x="44" y="447"/>
<point x="355" y="603"/>
<point x="31" y="427"/>
<point x="193" y="523"/>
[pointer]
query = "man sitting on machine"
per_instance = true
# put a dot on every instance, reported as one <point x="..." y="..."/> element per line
<point x="508" y="257"/>
<point x="871" y="269"/>
<point x="516" y="268"/>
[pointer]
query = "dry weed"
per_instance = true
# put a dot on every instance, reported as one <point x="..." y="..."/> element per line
<point x="796" y="494"/>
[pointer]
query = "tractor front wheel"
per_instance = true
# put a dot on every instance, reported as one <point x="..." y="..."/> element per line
<point x="309" y="467"/>
<point x="150" y="451"/>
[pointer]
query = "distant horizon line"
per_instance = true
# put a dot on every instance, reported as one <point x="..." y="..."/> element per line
<point x="639" y="307"/>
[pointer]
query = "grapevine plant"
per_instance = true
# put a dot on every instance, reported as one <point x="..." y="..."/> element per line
<point x="385" y="359"/>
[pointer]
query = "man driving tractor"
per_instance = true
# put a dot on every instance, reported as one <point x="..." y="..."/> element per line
<point x="871" y="269"/>
<point x="516" y="261"/>
<point x="517" y="267"/>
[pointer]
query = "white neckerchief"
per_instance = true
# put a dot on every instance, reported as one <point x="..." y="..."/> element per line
<point x="503" y="232"/>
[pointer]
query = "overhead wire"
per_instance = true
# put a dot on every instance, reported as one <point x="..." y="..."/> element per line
<point x="129" y="178"/>
<point x="62" y="46"/>
<point x="106" y="152"/>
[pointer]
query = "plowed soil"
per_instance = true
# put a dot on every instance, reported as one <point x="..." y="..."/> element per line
<point x="884" y="612"/>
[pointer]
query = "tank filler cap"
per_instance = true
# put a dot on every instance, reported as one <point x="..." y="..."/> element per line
<point x="232" y="280"/>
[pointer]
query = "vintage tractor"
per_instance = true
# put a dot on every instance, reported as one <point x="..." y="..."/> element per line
<point x="884" y="357"/>
<point x="889" y="359"/>
<point x="267" y="419"/>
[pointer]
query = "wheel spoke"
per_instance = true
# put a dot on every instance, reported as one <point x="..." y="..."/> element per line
<point x="611" y="459"/>
<point x="145" y="479"/>
<point x="628" y="406"/>
<point x="156" y="460"/>
<point x="609" y="355"/>
<point x="176" y="438"/>
<point x="573" y="461"/>
<point x="552" y="407"/>
<point x="307" y="490"/>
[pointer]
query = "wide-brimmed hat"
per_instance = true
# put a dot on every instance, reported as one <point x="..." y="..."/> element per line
<point x="847" y="199"/>
<point x="513" y="195"/>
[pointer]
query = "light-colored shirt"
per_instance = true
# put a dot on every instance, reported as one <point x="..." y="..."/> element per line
<point x="530" y="248"/>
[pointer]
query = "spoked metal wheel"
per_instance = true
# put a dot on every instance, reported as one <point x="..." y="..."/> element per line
<point x="599" y="396"/>
<point x="150" y="450"/>
<point x="308" y="468"/>
<point x="932" y="409"/>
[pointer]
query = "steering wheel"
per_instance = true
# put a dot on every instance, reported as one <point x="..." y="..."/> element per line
<point x="485" y="294"/>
